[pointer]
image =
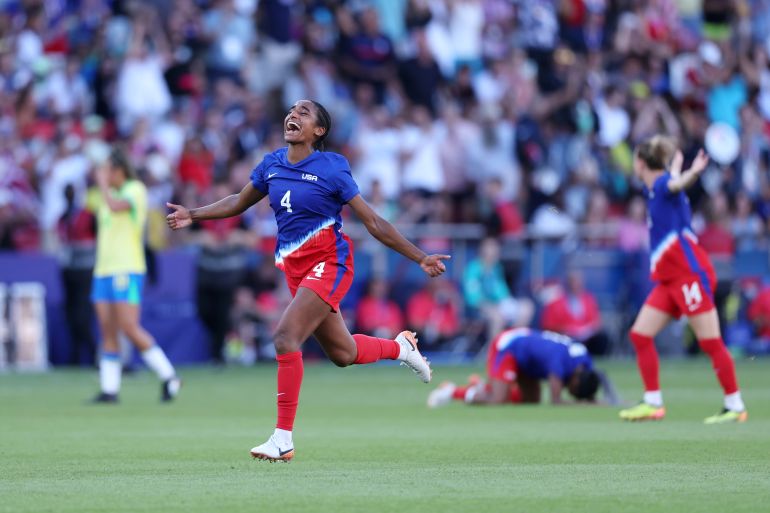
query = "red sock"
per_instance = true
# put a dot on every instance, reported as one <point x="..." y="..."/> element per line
<point x="647" y="360"/>
<point x="372" y="349"/>
<point x="722" y="362"/>
<point x="290" y="370"/>
<point x="459" y="393"/>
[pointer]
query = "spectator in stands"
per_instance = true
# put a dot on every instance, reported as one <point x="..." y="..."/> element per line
<point x="376" y="314"/>
<point x="716" y="237"/>
<point x="196" y="165"/>
<point x="77" y="243"/>
<point x="746" y="226"/>
<point x="575" y="313"/>
<point x="486" y="292"/>
<point x="366" y="55"/>
<point x="221" y="269"/>
<point x="420" y="75"/>
<point x="435" y="313"/>
<point x="633" y="235"/>
<point x="141" y="90"/>
<point x="759" y="314"/>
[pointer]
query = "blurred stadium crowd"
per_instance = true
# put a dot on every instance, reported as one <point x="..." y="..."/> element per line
<point x="519" y="116"/>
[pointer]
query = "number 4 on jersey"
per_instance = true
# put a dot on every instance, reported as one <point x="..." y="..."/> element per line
<point x="319" y="269"/>
<point x="286" y="201"/>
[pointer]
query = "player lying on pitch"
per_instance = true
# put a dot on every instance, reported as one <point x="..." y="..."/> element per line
<point x="516" y="362"/>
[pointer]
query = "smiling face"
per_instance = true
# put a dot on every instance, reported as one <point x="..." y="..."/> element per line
<point x="301" y="124"/>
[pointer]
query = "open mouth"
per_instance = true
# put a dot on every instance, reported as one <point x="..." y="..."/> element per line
<point x="292" y="128"/>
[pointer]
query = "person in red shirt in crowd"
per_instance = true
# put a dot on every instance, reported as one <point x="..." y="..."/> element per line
<point x="434" y="312"/>
<point x="196" y="165"/>
<point x="759" y="314"/>
<point x="575" y="313"/>
<point x="77" y="238"/>
<point x="717" y="238"/>
<point x="377" y="315"/>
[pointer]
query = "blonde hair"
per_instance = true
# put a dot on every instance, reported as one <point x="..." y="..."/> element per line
<point x="657" y="151"/>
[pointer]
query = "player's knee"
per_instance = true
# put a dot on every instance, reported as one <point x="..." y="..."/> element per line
<point x="639" y="340"/>
<point x="284" y="342"/>
<point x="129" y="329"/>
<point x="342" y="358"/>
<point x="711" y="345"/>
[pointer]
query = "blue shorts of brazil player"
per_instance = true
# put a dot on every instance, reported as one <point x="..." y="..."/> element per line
<point x="118" y="288"/>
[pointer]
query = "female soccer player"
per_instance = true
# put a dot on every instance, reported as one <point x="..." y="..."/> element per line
<point x="307" y="189"/>
<point x="684" y="279"/>
<point x="119" y="275"/>
<point x="516" y="362"/>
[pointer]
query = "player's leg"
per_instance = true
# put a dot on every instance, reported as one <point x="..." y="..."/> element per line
<point x="707" y="331"/>
<point x="331" y="281"/>
<point x="153" y="355"/>
<point x="109" y="359"/>
<point x="655" y="315"/>
<point x="128" y="314"/>
<point x="345" y="349"/>
<point x="302" y="317"/>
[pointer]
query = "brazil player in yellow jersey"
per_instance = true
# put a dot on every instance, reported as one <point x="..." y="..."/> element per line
<point x="121" y="214"/>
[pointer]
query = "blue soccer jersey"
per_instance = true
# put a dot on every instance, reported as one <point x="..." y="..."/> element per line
<point x="307" y="198"/>
<point x="674" y="246"/>
<point x="539" y="354"/>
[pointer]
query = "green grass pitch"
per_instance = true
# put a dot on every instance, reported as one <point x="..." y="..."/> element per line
<point x="366" y="443"/>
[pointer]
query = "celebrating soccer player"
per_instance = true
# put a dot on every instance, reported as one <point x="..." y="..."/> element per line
<point x="307" y="188"/>
<point x="684" y="279"/>
<point x="119" y="275"/>
<point x="516" y="362"/>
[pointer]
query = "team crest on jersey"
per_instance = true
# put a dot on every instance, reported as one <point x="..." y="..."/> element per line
<point x="312" y="178"/>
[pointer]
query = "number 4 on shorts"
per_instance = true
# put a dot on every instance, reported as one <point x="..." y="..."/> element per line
<point x="319" y="269"/>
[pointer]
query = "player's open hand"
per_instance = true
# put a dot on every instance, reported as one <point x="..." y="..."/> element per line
<point x="433" y="265"/>
<point x="700" y="162"/>
<point x="179" y="218"/>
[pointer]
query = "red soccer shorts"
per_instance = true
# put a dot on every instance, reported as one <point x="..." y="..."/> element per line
<point x="689" y="295"/>
<point x="329" y="276"/>
<point x="503" y="369"/>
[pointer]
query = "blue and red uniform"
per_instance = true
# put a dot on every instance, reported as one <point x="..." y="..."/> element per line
<point x="307" y="198"/>
<point x="684" y="276"/>
<point x="537" y="354"/>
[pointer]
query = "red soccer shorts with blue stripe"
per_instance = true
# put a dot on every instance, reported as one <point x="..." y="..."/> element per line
<point x="327" y="273"/>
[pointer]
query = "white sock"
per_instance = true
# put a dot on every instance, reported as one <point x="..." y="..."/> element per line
<point x="283" y="438"/>
<point x="734" y="402"/>
<point x="110" y="370"/>
<point x="654" y="398"/>
<point x="156" y="359"/>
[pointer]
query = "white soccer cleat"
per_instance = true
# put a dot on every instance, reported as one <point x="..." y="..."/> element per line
<point x="411" y="357"/>
<point x="442" y="395"/>
<point x="270" y="451"/>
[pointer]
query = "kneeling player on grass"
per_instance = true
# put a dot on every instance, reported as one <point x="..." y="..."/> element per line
<point x="517" y="360"/>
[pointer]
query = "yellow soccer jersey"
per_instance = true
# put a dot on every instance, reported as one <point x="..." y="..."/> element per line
<point x="120" y="235"/>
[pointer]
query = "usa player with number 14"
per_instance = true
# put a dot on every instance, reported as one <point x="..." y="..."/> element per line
<point x="307" y="188"/>
<point x="685" y="281"/>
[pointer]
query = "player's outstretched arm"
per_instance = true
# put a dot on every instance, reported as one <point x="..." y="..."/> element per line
<point x="384" y="232"/>
<point x="232" y="205"/>
<point x="687" y="178"/>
